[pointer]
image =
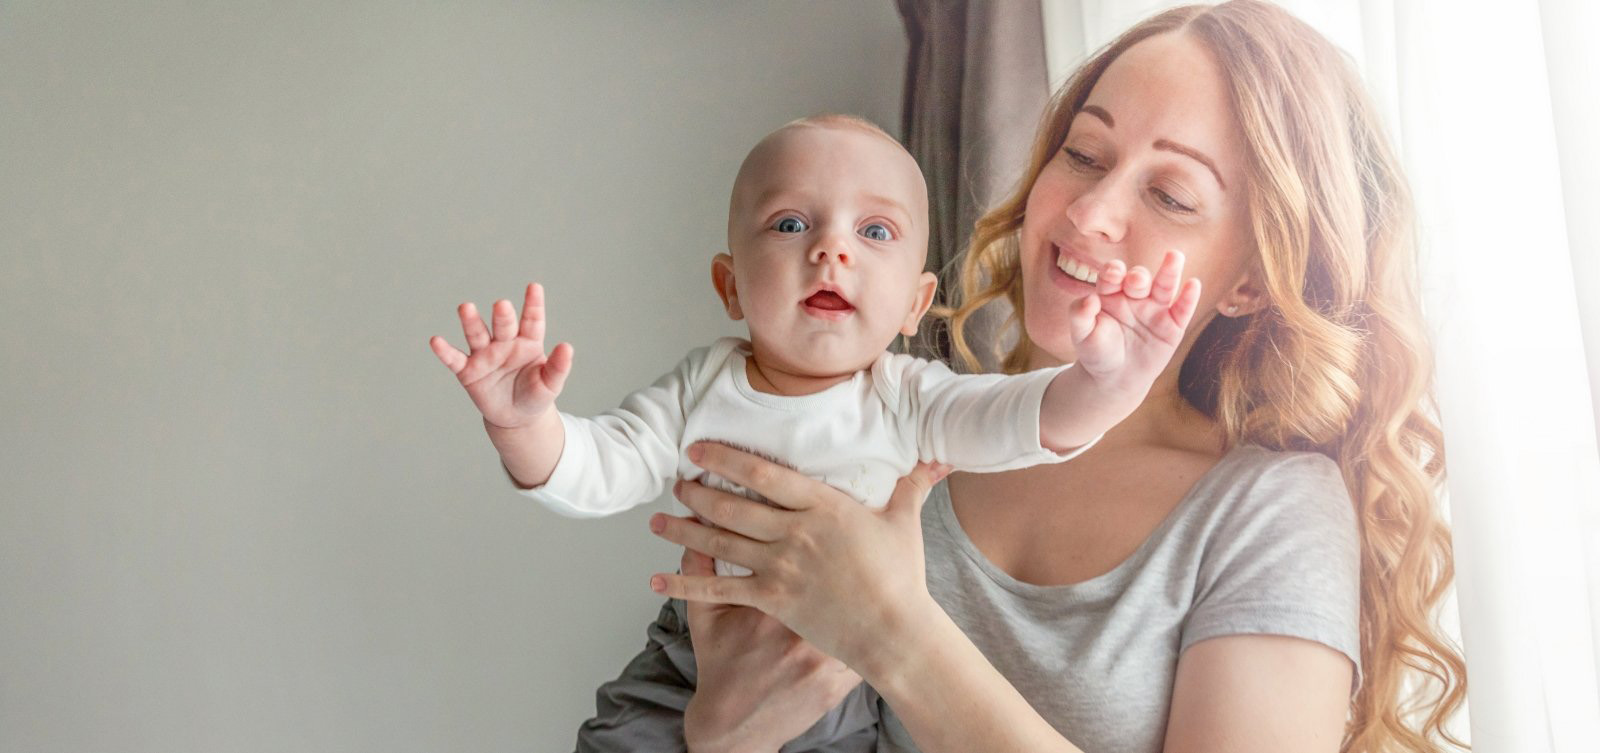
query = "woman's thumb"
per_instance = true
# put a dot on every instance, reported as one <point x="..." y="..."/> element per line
<point x="911" y="491"/>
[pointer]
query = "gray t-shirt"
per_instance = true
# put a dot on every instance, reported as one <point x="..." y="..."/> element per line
<point x="1265" y="542"/>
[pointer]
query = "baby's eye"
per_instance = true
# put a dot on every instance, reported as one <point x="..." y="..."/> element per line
<point x="790" y="225"/>
<point x="877" y="231"/>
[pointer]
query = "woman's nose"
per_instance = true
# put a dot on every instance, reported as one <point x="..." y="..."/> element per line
<point x="1099" y="213"/>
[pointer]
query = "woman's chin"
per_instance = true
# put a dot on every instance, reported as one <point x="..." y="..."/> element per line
<point x="1052" y="342"/>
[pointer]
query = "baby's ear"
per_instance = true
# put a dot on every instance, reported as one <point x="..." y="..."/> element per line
<point x="927" y="285"/>
<point x="722" y="280"/>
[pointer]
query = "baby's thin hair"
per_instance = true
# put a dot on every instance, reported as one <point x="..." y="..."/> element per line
<point x="841" y="120"/>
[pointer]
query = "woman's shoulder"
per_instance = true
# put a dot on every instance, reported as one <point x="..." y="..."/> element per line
<point x="1254" y="465"/>
<point x="1255" y="487"/>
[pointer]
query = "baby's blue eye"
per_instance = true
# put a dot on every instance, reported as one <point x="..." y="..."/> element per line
<point x="790" y="225"/>
<point x="876" y="232"/>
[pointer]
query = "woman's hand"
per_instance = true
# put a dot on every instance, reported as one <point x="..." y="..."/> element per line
<point x="759" y="684"/>
<point x="844" y="577"/>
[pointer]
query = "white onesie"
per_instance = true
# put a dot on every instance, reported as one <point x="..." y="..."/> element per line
<point x="860" y="435"/>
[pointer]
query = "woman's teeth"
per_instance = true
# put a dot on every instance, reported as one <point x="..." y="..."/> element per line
<point x="1077" y="271"/>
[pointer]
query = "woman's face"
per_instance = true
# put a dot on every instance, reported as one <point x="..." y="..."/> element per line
<point x="1153" y="161"/>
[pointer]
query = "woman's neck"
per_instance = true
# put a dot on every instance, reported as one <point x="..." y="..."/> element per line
<point x="1165" y="418"/>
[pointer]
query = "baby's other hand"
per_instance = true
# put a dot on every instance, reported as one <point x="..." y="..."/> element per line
<point x="1126" y="332"/>
<point x="508" y="375"/>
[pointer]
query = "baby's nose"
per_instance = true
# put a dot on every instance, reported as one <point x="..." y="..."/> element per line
<point x="832" y="247"/>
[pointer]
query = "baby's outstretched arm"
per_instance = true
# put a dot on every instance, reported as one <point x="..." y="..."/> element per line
<point x="514" y="383"/>
<point x="1124" y="334"/>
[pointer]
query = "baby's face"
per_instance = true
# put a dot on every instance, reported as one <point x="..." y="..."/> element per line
<point x="828" y="231"/>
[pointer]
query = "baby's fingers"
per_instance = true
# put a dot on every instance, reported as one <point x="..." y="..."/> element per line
<point x="1081" y="317"/>
<point x="505" y="320"/>
<point x="1138" y="283"/>
<point x="1110" y="280"/>
<point x="558" y="367"/>
<point x="473" y="327"/>
<point x="553" y="375"/>
<point x="1171" y="325"/>
<point x="533" y="313"/>
<point x="453" y="359"/>
<point x="1166" y="280"/>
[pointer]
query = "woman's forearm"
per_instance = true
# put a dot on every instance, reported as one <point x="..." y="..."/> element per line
<point x="950" y="698"/>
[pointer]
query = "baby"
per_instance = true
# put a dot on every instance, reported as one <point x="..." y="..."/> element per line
<point x="827" y="239"/>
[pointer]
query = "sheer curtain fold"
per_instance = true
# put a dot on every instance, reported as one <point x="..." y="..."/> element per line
<point x="1493" y="107"/>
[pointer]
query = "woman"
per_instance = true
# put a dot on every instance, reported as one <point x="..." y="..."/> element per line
<point x="1249" y="562"/>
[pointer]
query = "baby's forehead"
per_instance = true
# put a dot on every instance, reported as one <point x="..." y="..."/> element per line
<point x="798" y="153"/>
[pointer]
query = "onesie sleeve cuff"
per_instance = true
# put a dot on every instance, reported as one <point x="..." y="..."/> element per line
<point x="566" y="478"/>
<point x="1038" y="453"/>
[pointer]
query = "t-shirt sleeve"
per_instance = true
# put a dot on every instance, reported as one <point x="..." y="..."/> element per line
<point x="626" y="456"/>
<point x="974" y="422"/>
<point x="1284" y="559"/>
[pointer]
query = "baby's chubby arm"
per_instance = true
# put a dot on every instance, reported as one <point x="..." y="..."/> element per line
<point x="1124" y="335"/>
<point x="513" y="383"/>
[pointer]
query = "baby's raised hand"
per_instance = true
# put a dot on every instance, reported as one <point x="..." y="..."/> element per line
<point x="1126" y="333"/>
<point x="508" y="374"/>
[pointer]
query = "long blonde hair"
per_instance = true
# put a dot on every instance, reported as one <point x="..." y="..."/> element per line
<point x="1338" y="362"/>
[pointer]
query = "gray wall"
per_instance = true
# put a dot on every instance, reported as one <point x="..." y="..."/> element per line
<point x="243" y="507"/>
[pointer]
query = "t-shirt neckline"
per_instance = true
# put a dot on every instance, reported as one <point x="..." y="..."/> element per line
<point x="1097" y="587"/>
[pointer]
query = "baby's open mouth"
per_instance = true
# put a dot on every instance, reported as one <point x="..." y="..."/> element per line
<point x="827" y="300"/>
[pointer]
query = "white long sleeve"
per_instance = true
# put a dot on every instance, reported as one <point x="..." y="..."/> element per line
<point x="859" y="436"/>
<point x="982" y="423"/>
<point x="626" y="456"/>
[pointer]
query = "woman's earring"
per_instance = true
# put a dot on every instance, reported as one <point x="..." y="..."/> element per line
<point x="1233" y="310"/>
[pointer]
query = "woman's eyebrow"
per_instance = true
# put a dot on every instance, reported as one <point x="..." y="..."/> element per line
<point x="1194" y="154"/>
<point x="1162" y="144"/>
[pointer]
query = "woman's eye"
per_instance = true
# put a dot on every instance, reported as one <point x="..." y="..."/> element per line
<point x="790" y="225"/>
<point x="1082" y="160"/>
<point x="1169" y="202"/>
<point x="877" y="232"/>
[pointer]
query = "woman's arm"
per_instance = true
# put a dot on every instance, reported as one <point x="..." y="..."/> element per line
<point x="749" y="685"/>
<point x="759" y="685"/>
<point x="851" y="580"/>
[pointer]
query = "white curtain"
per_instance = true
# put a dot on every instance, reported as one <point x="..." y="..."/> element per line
<point x="1495" y="107"/>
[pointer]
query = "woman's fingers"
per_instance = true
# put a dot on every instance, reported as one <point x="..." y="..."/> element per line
<point x="473" y="327"/>
<point x="695" y="563"/>
<point x="714" y="542"/>
<point x="715" y="589"/>
<point x="453" y="359"/>
<point x="785" y="487"/>
<point x="731" y="511"/>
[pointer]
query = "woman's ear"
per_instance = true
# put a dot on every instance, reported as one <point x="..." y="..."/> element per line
<point x="1246" y="297"/>
<point x="927" y="285"/>
<point x="722" y="280"/>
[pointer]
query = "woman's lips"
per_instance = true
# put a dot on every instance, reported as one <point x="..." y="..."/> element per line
<point x="1061" y="278"/>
